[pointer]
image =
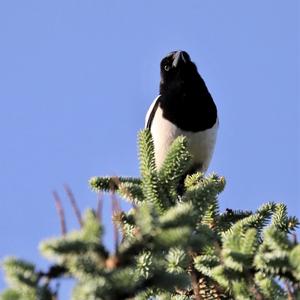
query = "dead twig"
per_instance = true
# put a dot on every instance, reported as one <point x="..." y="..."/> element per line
<point x="99" y="209"/>
<point x="74" y="204"/>
<point x="115" y="211"/>
<point x="61" y="213"/>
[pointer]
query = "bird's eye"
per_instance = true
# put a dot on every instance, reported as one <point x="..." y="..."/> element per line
<point x="167" y="67"/>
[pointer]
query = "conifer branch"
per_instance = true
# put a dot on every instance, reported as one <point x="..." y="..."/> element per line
<point x="176" y="247"/>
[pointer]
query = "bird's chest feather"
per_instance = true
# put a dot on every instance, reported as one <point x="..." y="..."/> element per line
<point x="200" y="143"/>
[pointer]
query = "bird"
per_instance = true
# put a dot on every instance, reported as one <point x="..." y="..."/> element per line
<point x="184" y="107"/>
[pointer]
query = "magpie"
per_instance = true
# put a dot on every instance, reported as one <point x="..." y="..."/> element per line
<point x="185" y="107"/>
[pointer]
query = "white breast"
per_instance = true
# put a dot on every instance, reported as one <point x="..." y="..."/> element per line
<point x="201" y="144"/>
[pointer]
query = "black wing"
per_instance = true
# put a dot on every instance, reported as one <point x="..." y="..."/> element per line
<point x="151" y="112"/>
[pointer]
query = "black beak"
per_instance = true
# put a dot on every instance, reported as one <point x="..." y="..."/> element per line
<point x="180" y="56"/>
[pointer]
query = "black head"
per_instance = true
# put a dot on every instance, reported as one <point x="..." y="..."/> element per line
<point x="184" y="97"/>
<point x="177" y="69"/>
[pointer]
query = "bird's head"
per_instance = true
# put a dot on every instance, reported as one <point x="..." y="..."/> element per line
<point x="176" y="69"/>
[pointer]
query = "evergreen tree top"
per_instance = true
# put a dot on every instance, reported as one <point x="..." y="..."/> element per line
<point x="174" y="246"/>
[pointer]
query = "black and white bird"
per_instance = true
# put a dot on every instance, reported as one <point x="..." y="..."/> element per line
<point x="184" y="106"/>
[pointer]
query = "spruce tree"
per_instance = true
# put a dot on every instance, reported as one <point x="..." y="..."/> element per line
<point x="173" y="246"/>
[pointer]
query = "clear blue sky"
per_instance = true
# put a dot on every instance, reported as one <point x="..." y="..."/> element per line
<point x="77" y="78"/>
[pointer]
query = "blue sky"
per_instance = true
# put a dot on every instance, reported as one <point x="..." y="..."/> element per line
<point x="77" y="78"/>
